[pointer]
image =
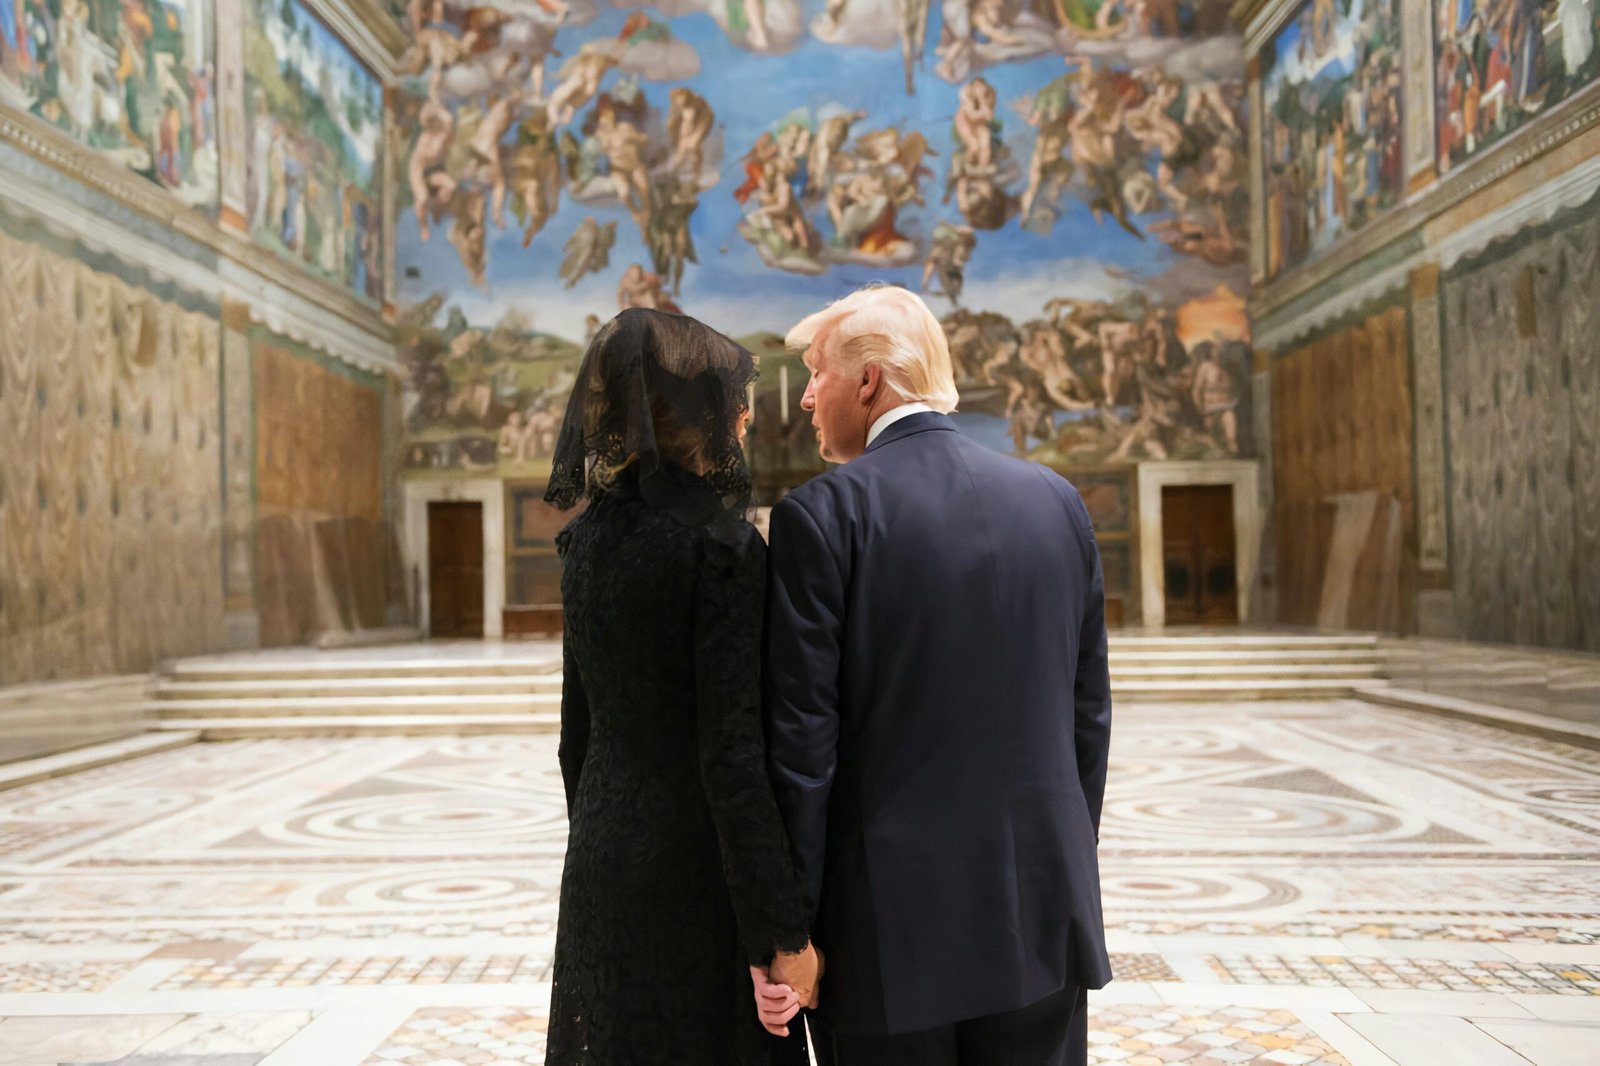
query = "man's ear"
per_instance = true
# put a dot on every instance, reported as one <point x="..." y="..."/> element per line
<point x="871" y="378"/>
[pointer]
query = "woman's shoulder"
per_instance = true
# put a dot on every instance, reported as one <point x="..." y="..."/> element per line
<point x="729" y="541"/>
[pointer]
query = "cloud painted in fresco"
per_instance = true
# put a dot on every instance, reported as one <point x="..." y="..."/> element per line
<point x="1208" y="60"/>
<point x="1022" y="294"/>
<point x="781" y="21"/>
<point x="864" y="23"/>
<point x="1189" y="278"/>
<point x="672" y="60"/>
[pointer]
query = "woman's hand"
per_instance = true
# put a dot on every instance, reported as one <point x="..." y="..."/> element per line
<point x="776" y="1004"/>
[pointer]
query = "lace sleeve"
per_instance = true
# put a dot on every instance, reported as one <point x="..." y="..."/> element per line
<point x="756" y="857"/>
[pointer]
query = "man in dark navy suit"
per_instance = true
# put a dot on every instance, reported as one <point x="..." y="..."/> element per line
<point x="938" y="717"/>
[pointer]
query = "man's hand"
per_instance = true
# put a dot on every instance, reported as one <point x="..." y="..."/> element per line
<point x="775" y="1004"/>
<point x="801" y="971"/>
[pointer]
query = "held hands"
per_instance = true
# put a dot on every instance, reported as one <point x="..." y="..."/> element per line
<point x="787" y="985"/>
<point x="801" y="971"/>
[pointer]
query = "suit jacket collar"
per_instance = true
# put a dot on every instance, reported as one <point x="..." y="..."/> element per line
<point x="910" y="426"/>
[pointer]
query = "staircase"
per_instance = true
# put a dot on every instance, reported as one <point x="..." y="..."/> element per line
<point x="477" y="689"/>
<point x="329" y="695"/>
<point x="1230" y="666"/>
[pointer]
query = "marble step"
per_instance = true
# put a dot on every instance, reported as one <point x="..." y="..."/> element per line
<point x="1201" y="655"/>
<point x="354" y="706"/>
<point x="307" y="668"/>
<point x="1122" y="669"/>
<point x="1242" y="642"/>
<point x="1233" y="689"/>
<point x="355" y="725"/>
<point x="345" y="687"/>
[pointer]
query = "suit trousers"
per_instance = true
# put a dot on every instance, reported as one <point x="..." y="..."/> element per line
<point x="1051" y="1032"/>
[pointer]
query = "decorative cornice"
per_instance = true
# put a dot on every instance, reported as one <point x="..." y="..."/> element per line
<point x="1259" y="20"/>
<point x="1573" y="188"/>
<point x="99" y="174"/>
<point x="366" y="27"/>
<point x="1570" y="119"/>
<point x="376" y="16"/>
<point x="244" y="274"/>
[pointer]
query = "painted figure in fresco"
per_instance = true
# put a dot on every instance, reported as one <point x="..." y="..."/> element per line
<point x="642" y="288"/>
<point x="1051" y="114"/>
<point x="1160" y="409"/>
<point x="826" y="146"/>
<point x="777" y="204"/>
<point x="469" y="228"/>
<point x="950" y="250"/>
<point x="975" y="124"/>
<point x="485" y="145"/>
<point x="1044" y="353"/>
<point x="689" y="123"/>
<point x="1092" y="134"/>
<point x="432" y="187"/>
<point x="588" y="250"/>
<point x="1211" y="240"/>
<point x="1216" y="397"/>
<point x="913" y="38"/>
<point x="625" y="145"/>
<point x="1153" y="125"/>
<point x="580" y="81"/>
<point x="667" y="236"/>
<point x="976" y="34"/>
<point x="535" y="174"/>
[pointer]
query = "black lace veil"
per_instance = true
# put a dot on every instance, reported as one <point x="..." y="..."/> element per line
<point x="657" y="405"/>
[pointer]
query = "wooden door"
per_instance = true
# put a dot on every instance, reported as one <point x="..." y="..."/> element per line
<point x="1198" y="555"/>
<point x="455" y="569"/>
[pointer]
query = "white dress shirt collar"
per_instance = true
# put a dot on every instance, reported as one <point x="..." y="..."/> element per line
<point x="889" y="418"/>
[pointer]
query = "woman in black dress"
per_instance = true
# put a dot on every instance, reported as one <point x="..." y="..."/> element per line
<point x="679" y="875"/>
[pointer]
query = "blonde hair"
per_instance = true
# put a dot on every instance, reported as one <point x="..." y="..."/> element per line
<point x="891" y="327"/>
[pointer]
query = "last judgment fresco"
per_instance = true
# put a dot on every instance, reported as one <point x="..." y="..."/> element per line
<point x="1063" y="180"/>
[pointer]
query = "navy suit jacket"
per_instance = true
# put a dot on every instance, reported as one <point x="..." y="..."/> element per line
<point x="938" y="720"/>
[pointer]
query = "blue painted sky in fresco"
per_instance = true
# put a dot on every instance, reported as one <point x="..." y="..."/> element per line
<point x="1011" y="270"/>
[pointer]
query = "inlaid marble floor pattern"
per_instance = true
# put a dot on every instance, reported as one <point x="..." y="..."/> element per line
<point x="1284" y="883"/>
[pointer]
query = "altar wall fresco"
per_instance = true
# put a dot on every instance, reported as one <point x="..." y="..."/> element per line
<point x="1064" y="183"/>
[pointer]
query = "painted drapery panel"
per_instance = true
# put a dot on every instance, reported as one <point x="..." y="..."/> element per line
<point x="110" y="471"/>
<point x="1064" y="181"/>
<point x="132" y="78"/>
<point x="1331" y="125"/>
<point x="1522" y="419"/>
<point x="1500" y="63"/>
<point x="315" y="119"/>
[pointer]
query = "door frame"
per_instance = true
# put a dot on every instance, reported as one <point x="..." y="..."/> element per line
<point x="486" y="491"/>
<point x="1244" y="475"/>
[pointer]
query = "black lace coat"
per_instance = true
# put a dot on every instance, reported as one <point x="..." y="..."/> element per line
<point x="678" y="873"/>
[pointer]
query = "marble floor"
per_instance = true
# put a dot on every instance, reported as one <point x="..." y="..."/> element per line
<point x="1326" y="882"/>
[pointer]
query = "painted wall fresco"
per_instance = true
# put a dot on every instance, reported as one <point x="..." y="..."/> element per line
<point x="315" y="121"/>
<point x="132" y="78"/>
<point x="1064" y="181"/>
<point x="1499" y="63"/>
<point x="1331" y="129"/>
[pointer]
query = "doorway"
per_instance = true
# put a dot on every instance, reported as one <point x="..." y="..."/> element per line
<point x="455" y="568"/>
<point x="1199" y="566"/>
